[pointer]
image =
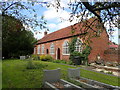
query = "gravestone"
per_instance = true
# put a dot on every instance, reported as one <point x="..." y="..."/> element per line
<point x="74" y="73"/>
<point x="22" y="57"/>
<point x="52" y="75"/>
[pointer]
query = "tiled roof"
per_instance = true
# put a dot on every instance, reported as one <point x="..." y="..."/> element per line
<point x="65" y="32"/>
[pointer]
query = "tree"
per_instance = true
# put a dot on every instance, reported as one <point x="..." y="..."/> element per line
<point x="15" y="8"/>
<point x="16" y="40"/>
<point x="106" y="12"/>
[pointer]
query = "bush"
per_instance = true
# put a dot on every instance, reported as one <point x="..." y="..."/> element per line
<point x="70" y="63"/>
<point x="109" y="72"/>
<point x="46" y="58"/>
<point x="30" y="65"/>
<point x="76" y="57"/>
<point x="60" y="61"/>
<point x="35" y="57"/>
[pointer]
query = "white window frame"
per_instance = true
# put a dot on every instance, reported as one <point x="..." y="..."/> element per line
<point x="34" y="50"/>
<point x="65" y="48"/>
<point x="78" y="46"/>
<point x="38" y="49"/>
<point x="52" y="49"/>
<point x="42" y="49"/>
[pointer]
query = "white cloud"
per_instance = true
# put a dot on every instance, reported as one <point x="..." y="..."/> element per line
<point x="50" y="14"/>
<point x="52" y="25"/>
<point x="38" y="35"/>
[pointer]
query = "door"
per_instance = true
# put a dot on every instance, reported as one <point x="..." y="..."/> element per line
<point x="47" y="51"/>
<point x="58" y="53"/>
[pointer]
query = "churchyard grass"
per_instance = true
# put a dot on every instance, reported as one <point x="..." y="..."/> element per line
<point x="16" y="75"/>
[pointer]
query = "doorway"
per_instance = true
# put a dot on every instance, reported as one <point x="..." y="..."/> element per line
<point x="58" y="53"/>
<point x="47" y="51"/>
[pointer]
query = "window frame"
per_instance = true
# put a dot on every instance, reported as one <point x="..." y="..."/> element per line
<point x="38" y="49"/>
<point x="78" y="46"/>
<point x="52" y="49"/>
<point x="65" y="48"/>
<point x="42" y="49"/>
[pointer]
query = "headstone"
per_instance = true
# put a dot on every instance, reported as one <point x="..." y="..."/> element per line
<point x="52" y="75"/>
<point x="74" y="73"/>
<point x="22" y="57"/>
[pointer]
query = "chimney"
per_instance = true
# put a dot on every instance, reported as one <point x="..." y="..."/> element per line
<point x="45" y="33"/>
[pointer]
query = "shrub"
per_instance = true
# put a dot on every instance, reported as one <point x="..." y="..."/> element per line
<point x="70" y="62"/>
<point x="49" y="58"/>
<point x="76" y="57"/>
<point x="60" y="61"/>
<point x="30" y="65"/>
<point x="46" y="58"/>
<point x="109" y="72"/>
<point x="35" y="57"/>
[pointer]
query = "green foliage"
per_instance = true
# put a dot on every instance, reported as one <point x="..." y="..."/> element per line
<point x="63" y="62"/>
<point x="85" y="54"/>
<point x="76" y="57"/>
<point x="46" y="58"/>
<point x="59" y="61"/>
<point x="30" y="65"/>
<point x="70" y="62"/>
<point x="109" y="72"/>
<point x="14" y="9"/>
<point x="72" y="45"/>
<point x="15" y="39"/>
<point x="35" y="57"/>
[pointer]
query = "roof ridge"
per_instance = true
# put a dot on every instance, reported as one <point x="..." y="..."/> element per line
<point x="66" y="27"/>
<point x="64" y="32"/>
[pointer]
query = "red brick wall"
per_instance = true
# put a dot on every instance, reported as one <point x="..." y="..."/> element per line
<point x="98" y="45"/>
<point x="112" y="55"/>
<point x="57" y="44"/>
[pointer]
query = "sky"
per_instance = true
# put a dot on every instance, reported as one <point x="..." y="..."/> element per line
<point x="58" y="20"/>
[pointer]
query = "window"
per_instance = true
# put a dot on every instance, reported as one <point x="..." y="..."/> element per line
<point x="78" y="46"/>
<point x="38" y="49"/>
<point x="65" y="48"/>
<point x="52" y="49"/>
<point x="34" y="50"/>
<point x="42" y="49"/>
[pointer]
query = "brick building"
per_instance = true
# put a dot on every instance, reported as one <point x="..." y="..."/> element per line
<point x="56" y="43"/>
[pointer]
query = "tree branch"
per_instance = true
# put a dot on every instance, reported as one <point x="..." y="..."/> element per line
<point x="107" y="7"/>
<point x="91" y="9"/>
<point x="8" y="7"/>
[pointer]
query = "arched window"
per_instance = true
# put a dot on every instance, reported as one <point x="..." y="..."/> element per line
<point x="34" y="50"/>
<point x="78" y="46"/>
<point x="52" y="49"/>
<point x="38" y="49"/>
<point x="65" y="47"/>
<point x="42" y="49"/>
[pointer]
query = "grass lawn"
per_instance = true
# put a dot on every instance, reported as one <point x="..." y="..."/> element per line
<point x="15" y="74"/>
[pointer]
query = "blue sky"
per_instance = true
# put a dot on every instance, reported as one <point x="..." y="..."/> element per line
<point x="57" y="20"/>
